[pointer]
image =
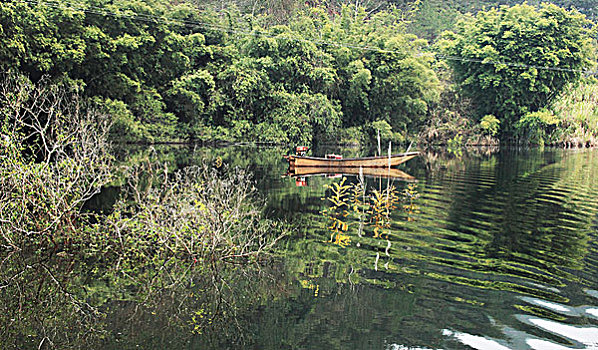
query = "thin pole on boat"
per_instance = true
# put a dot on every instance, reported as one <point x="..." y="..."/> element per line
<point x="389" y="152"/>
<point x="388" y="179"/>
<point x="379" y="147"/>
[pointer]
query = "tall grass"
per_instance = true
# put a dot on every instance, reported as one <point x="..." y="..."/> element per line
<point x="577" y="111"/>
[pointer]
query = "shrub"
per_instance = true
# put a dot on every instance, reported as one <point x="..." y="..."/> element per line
<point x="490" y="125"/>
<point x="124" y="126"/>
<point x="53" y="159"/>
<point x="577" y="110"/>
<point x="536" y="127"/>
<point x="198" y="211"/>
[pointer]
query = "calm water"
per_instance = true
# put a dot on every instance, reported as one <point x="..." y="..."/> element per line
<point x="486" y="251"/>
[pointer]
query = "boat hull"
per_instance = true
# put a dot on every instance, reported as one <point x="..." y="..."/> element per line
<point x="365" y="162"/>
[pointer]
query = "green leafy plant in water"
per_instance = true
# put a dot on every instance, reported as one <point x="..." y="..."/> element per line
<point x="351" y="202"/>
<point x="337" y="213"/>
<point x="308" y="284"/>
<point x="382" y="203"/>
<point x="411" y="195"/>
<point x="357" y="196"/>
<point x="359" y="201"/>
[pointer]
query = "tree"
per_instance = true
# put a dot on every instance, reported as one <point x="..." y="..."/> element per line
<point x="40" y="40"/>
<point x="514" y="60"/>
<point x="162" y="78"/>
<point x="382" y="74"/>
<point x="54" y="157"/>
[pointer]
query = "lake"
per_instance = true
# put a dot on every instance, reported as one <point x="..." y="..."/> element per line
<point x="489" y="250"/>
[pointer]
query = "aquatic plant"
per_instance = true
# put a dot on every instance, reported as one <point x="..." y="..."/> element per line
<point x="410" y="194"/>
<point x="381" y="205"/>
<point x="197" y="212"/>
<point x="351" y="203"/>
<point x="338" y="211"/>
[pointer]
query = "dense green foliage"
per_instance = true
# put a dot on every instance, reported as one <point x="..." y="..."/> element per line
<point x="576" y="114"/>
<point x="221" y="77"/>
<point x="295" y="72"/>
<point x="503" y="50"/>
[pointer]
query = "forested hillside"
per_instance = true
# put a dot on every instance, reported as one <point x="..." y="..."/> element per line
<point x="169" y="72"/>
<point x="300" y="72"/>
<point x="428" y="18"/>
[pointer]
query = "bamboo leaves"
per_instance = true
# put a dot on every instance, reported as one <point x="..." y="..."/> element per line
<point x="349" y="205"/>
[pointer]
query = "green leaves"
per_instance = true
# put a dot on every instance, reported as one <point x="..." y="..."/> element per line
<point x="388" y="81"/>
<point x="577" y="111"/>
<point x="189" y="96"/>
<point x="516" y="59"/>
<point x="535" y="126"/>
<point x="490" y="125"/>
<point x="294" y="82"/>
<point x="39" y="39"/>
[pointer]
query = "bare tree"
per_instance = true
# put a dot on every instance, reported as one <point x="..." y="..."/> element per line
<point x="54" y="157"/>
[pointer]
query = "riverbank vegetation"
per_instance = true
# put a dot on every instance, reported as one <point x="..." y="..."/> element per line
<point x="224" y="76"/>
<point x="176" y="240"/>
<point x="502" y="38"/>
<point x="302" y="73"/>
<point x="576" y="114"/>
<point x="65" y="264"/>
<point x="55" y="157"/>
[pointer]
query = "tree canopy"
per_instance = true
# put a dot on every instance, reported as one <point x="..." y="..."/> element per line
<point x="292" y="74"/>
<point x="167" y="71"/>
<point x="514" y="60"/>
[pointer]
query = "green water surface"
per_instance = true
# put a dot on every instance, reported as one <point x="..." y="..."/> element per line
<point x="491" y="250"/>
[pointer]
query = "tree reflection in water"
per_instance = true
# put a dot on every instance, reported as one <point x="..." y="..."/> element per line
<point x="65" y="302"/>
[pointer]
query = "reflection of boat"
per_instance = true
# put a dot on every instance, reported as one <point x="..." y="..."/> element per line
<point x="300" y="182"/>
<point x="392" y="173"/>
<point x="364" y="162"/>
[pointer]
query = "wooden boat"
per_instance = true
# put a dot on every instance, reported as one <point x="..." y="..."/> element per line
<point x="387" y="173"/>
<point x="363" y="162"/>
